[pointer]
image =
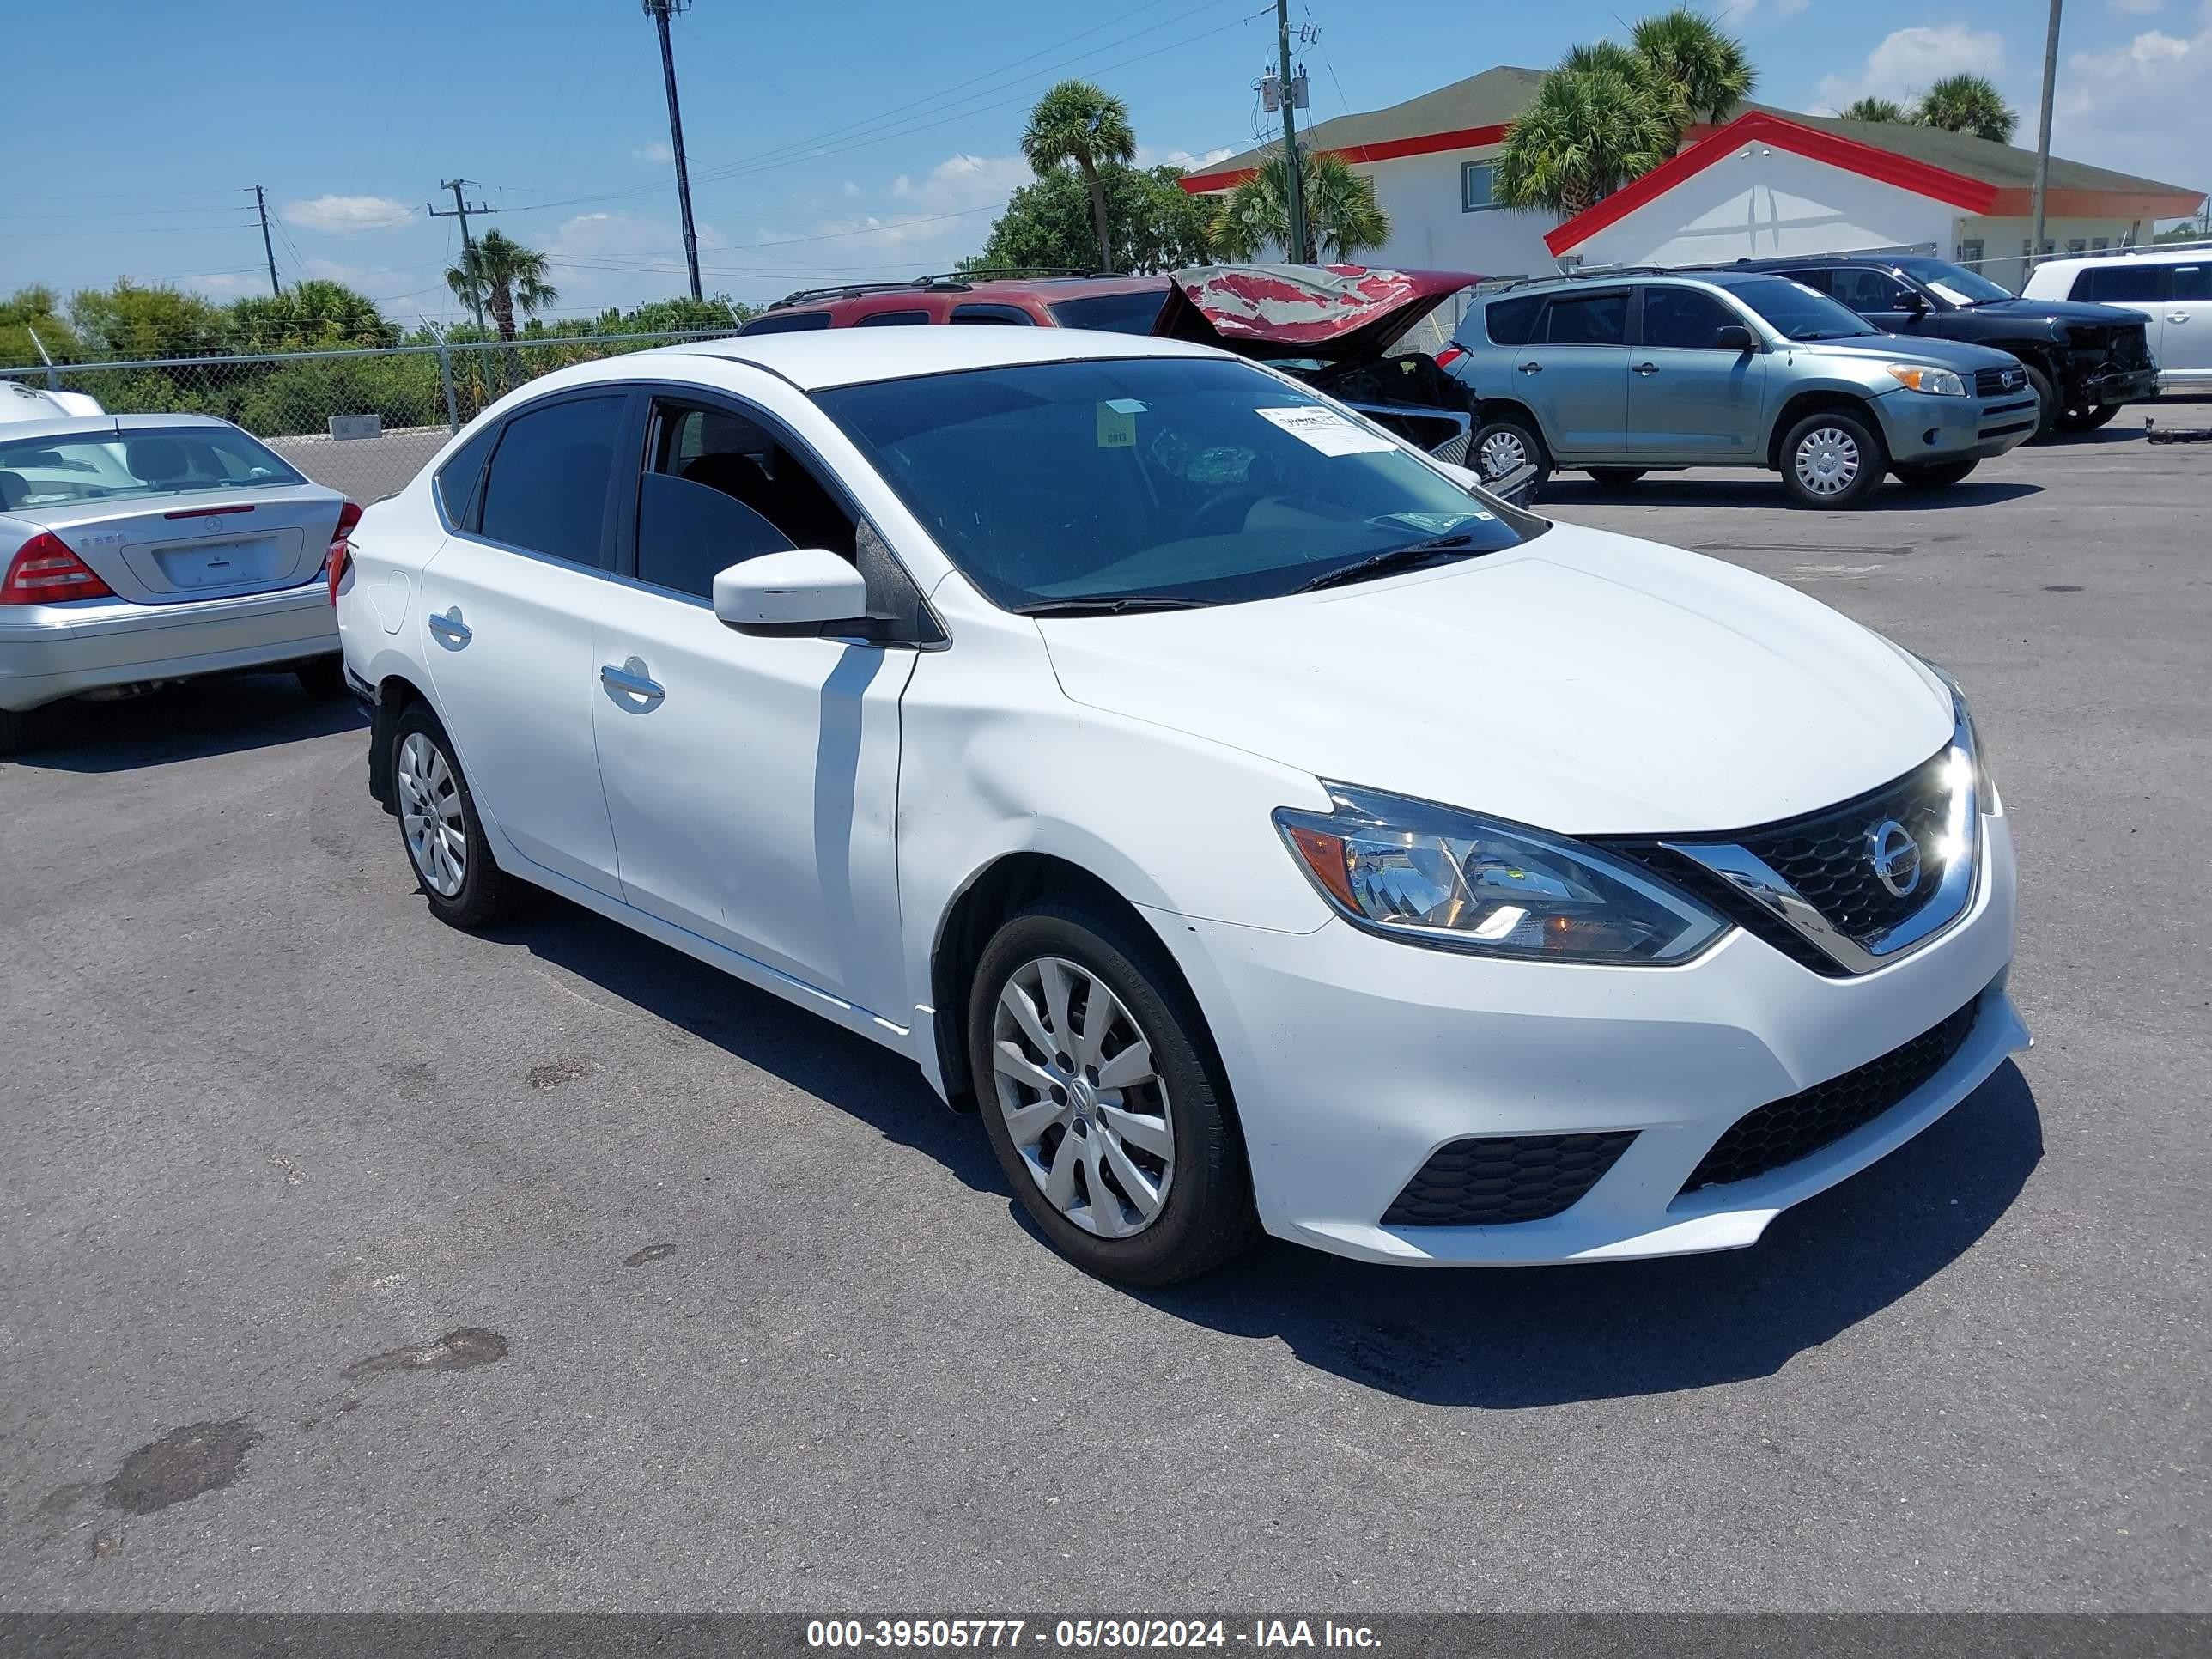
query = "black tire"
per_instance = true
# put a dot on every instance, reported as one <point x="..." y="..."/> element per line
<point x="486" y="892"/>
<point x="1517" y="432"/>
<point x="2047" y="418"/>
<point x="2088" y="420"/>
<point x="1936" y="476"/>
<point x="1206" y="1214"/>
<point x="1615" y="477"/>
<point x="324" y="679"/>
<point x="1863" y="452"/>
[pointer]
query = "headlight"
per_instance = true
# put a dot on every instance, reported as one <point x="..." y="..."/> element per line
<point x="1936" y="382"/>
<point x="1985" y="788"/>
<point x="1433" y="875"/>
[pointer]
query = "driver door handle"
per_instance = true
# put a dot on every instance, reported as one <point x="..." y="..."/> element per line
<point x="630" y="679"/>
<point x="1647" y="368"/>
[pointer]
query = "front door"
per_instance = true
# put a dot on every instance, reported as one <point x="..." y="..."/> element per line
<point x="508" y="603"/>
<point x="2185" y="343"/>
<point x="1574" y="373"/>
<point x="1689" y="399"/>
<point x="751" y="781"/>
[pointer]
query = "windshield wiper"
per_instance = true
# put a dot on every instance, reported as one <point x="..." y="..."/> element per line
<point x="1108" y="607"/>
<point x="1394" y="558"/>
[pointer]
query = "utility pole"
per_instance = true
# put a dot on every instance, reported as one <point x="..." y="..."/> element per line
<point x="660" y="11"/>
<point x="2043" y="137"/>
<point x="1293" y="168"/>
<point x="267" y="247"/>
<point x="461" y="211"/>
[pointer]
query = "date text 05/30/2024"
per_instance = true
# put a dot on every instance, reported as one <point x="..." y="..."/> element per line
<point x="1086" y="1635"/>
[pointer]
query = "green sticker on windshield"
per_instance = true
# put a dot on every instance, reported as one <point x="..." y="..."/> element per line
<point x="1117" y="428"/>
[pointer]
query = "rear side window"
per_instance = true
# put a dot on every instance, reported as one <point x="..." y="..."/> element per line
<point x="1589" y="320"/>
<point x="889" y="318"/>
<point x="546" y="489"/>
<point x="787" y="322"/>
<point x="2192" y="282"/>
<point x="1509" y="322"/>
<point x="457" y="479"/>
<point x="1010" y="316"/>
<point x="2127" y="284"/>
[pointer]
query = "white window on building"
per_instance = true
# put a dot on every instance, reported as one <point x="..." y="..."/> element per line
<point x="1474" y="195"/>
<point x="2077" y="245"/>
<point x="1970" y="253"/>
<point x="2099" y="244"/>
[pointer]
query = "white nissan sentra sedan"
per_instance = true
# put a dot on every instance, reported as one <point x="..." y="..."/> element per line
<point x="136" y="550"/>
<point x="1260" y="828"/>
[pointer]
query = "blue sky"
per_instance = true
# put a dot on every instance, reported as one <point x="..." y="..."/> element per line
<point x="835" y="141"/>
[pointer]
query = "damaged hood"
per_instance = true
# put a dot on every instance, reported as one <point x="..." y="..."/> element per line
<point x="1334" y="314"/>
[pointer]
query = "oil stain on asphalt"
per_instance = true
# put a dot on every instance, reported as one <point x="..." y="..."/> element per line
<point x="181" y="1465"/>
<point x="456" y="1350"/>
<point x="650" y="1253"/>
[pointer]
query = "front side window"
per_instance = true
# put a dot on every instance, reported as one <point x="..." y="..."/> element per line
<point x="546" y="489"/>
<point x="1589" y="318"/>
<point x="1007" y="316"/>
<point x="1865" y="290"/>
<point x="1150" y="480"/>
<point x="1476" y="194"/>
<point x="891" y="319"/>
<point x="1796" y="311"/>
<point x="720" y="486"/>
<point x="1684" y="319"/>
<point x="1131" y="312"/>
<point x="2192" y="282"/>
<point x="144" y="462"/>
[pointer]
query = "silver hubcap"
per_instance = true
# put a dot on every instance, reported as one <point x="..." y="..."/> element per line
<point x="430" y="815"/>
<point x="1501" y="453"/>
<point x="1827" y="461"/>
<point x="1077" y="1094"/>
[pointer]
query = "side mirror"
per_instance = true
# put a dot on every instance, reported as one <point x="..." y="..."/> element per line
<point x="1916" y="304"/>
<point x="794" y="592"/>
<point x="1733" y="336"/>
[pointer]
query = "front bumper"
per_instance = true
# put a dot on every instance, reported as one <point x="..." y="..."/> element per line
<point x="49" y="652"/>
<point x="1923" y="430"/>
<point x="2115" y="385"/>
<point x="1354" y="1058"/>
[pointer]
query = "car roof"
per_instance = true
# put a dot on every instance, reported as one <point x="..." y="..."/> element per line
<point x="2152" y="255"/>
<point x="81" y="426"/>
<point x="817" y="359"/>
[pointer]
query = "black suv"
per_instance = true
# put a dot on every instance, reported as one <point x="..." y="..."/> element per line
<point x="2084" y="361"/>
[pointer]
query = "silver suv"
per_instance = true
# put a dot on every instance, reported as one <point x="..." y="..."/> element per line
<point x="1618" y="372"/>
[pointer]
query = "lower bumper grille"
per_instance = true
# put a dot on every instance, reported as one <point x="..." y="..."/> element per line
<point x="1783" y="1130"/>
<point x="1488" y="1179"/>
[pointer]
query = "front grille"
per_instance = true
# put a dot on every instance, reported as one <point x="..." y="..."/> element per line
<point x="2121" y="348"/>
<point x="1489" y="1179"/>
<point x="1783" y="1130"/>
<point x="1827" y="857"/>
<point x="1996" y="382"/>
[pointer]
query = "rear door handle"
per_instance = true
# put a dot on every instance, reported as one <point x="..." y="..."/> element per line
<point x="450" y="626"/>
<point x="1532" y="369"/>
<point x="2176" y="316"/>
<point x="1647" y="368"/>
<point x="631" y="680"/>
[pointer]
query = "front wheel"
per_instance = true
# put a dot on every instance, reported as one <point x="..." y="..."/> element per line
<point x="1102" y="1099"/>
<point x="1504" y="443"/>
<point x="1831" y="459"/>
<point x="1935" y="476"/>
<point x="2088" y="420"/>
<point x="2049" y="411"/>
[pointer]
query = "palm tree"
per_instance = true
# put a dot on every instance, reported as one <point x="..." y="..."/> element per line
<point x="1708" y="68"/>
<point x="1598" y="120"/>
<point x="1967" y="103"/>
<point x="1343" y="218"/>
<point x="503" y="277"/>
<point x="1875" y="109"/>
<point x="1077" y="122"/>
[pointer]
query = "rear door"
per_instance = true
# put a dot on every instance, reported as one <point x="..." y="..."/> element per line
<point x="1577" y="378"/>
<point x="2185" y="354"/>
<point x="1689" y="399"/>
<point x="509" y="601"/>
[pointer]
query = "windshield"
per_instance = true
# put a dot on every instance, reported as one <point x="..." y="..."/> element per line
<point x="1168" y="480"/>
<point x="1960" y="286"/>
<point x="1133" y="313"/>
<point x="145" y="461"/>
<point x="1797" y="312"/>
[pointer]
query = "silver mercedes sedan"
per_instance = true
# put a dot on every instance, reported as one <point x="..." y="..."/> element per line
<point x="143" y="549"/>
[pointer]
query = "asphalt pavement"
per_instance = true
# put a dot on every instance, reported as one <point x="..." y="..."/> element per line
<point x="356" y="1263"/>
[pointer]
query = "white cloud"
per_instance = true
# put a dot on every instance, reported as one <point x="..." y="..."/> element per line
<point x="1790" y="8"/>
<point x="342" y="213"/>
<point x="1148" y="157"/>
<point x="1902" y="66"/>
<point x="964" y="181"/>
<point x="2145" y="106"/>
<point x="332" y="271"/>
<point x="851" y="191"/>
<point x="655" y="151"/>
<point x="2137" y="7"/>
<point x="224" y="284"/>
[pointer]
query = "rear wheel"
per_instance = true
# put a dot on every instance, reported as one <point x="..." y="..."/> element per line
<point x="2088" y="420"/>
<point x="324" y="677"/>
<point x="1615" y="477"/>
<point x="1102" y="1101"/>
<point x="1505" y="442"/>
<point x="1831" y="459"/>
<point x="438" y="821"/>
<point x="1935" y="476"/>
<point x="2048" y="411"/>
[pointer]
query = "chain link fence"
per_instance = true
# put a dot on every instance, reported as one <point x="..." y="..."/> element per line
<point x="363" y="421"/>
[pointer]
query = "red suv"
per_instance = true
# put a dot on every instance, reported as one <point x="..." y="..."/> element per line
<point x="1020" y="298"/>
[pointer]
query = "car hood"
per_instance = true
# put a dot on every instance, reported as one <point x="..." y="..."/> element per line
<point x="1583" y="682"/>
<point x="1336" y="314"/>
<point x="2073" y="314"/>
<point x="1909" y="348"/>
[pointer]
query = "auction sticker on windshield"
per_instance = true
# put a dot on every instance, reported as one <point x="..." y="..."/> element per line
<point x="1325" y="429"/>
